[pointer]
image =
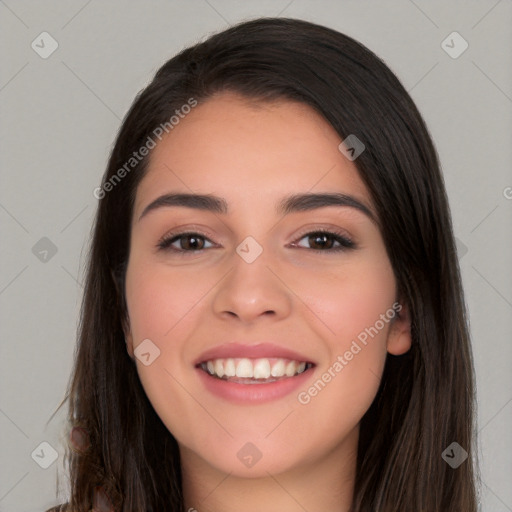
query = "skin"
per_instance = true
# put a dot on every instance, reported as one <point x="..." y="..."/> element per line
<point x="314" y="302"/>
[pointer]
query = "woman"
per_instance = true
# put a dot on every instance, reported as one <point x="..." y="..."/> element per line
<point x="273" y="315"/>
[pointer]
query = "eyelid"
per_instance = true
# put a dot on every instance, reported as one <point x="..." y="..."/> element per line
<point x="345" y="241"/>
<point x="177" y="233"/>
<point x="323" y="229"/>
<point x="188" y="229"/>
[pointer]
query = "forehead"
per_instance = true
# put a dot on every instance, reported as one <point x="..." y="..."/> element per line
<point x="249" y="151"/>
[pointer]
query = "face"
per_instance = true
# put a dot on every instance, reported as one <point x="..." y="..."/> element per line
<point x="293" y="302"/>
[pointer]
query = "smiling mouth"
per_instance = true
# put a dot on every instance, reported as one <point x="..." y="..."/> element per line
<point x="254" y="371"/>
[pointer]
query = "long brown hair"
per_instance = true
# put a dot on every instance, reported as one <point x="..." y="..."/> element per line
<point x="426" y="397"/>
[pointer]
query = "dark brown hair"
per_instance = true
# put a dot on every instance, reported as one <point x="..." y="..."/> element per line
<point x="426" y="396"/>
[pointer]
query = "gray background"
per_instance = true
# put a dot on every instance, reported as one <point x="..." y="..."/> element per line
<point x="60" y="116"/>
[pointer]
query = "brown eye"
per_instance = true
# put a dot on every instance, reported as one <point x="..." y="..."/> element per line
<point x="188" y="242"/>
<point x="191" y="242"/>
<point x="321" y="241"/>
<point x="325" y="241"/>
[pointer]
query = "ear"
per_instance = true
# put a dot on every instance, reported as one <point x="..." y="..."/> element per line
<point x="399" y="336"/>
<point x="125" y="321"/>
<point x="128" y="338"/>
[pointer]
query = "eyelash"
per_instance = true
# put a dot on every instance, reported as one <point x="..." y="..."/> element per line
<point x="346" y="243"/>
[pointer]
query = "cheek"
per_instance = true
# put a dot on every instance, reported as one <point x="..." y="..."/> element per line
<point x="354" y="313"/>
<point x="161" y="309"/>
<point x="351" y="301"/>
<point x="158" y="299"/>
<point x="165" y="306"/>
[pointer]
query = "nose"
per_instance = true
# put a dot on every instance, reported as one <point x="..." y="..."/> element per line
<point x="252" y="290"/>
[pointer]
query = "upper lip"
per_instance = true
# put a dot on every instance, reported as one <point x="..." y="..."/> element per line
<point x="253" y="351"/>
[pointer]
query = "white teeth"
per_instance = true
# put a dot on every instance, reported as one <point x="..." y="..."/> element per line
<point x="229" y="368"/>
<point x="218" y="368"/>
<point x="291" y="368"/>
<point x="278" y="370"/>
<point x="262" y="368"/>
<point x="244" y="368"/>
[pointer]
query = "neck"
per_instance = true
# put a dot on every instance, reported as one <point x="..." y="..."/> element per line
<point x="325" y="484"/>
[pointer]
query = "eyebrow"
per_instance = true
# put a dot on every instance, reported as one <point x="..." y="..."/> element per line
<point x="289" y="204"/>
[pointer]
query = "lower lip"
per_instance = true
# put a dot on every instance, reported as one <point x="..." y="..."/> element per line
<point x="253" y="393"/>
